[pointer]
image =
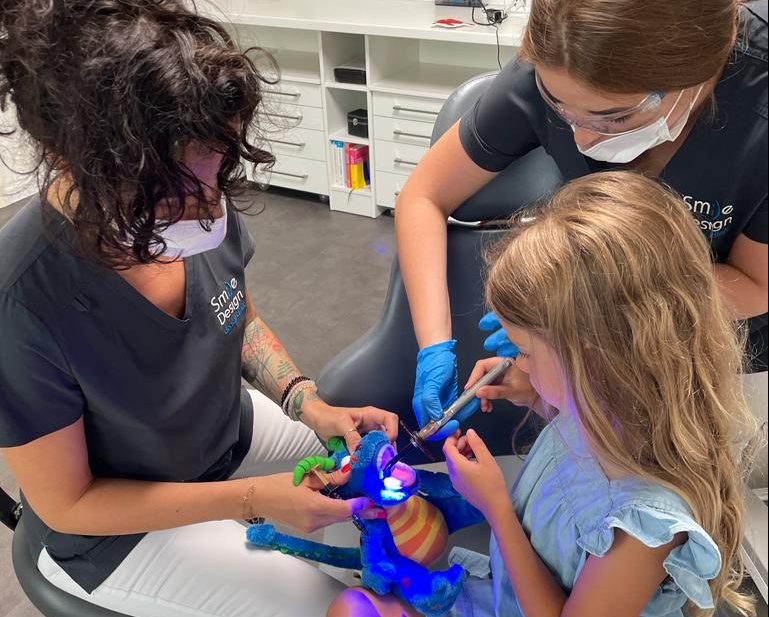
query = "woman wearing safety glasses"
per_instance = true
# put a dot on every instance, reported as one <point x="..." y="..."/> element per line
<point x="673" y="90"/>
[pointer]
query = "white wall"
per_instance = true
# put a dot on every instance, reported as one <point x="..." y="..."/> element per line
<point x="14" y="153"/>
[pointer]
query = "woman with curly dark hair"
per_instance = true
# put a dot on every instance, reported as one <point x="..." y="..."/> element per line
<point x="126" y="325"/>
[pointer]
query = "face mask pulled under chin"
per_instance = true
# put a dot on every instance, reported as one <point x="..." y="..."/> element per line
<point x="188" y="238"/>
<point x="629" y="146"/>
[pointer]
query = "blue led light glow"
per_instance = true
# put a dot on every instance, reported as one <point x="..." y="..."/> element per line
<point x="389" y="496"/>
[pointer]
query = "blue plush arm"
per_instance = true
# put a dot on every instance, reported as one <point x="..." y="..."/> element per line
<point x="265" y="536"/>
<point x="437" y="489"/>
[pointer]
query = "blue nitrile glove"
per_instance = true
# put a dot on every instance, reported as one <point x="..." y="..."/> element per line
<point x="436" y="387"/>
<point x="498" y="341"/>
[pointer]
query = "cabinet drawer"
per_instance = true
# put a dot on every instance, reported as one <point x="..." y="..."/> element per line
<point x="406" y="107"/>
<point x="403" y="131"/>
<point x="397" y="158"/>
<point x="388" y="187"/>
<point x="279" y="118"/>
<point x="293" y="93"/>
<point x="354" y="202"/>
<point x="301" y="142"/>
<point x="296" y="173"/>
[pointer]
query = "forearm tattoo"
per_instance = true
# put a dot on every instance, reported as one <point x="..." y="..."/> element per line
<point x="266" y="364"/>
<point x="303" y="395"/>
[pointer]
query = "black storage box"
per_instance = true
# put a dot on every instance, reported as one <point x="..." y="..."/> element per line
<point x="351" y="73"/>
<point x="357" y="123"/>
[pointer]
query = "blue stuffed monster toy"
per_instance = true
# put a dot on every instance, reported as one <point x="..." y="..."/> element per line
<point x="388" y="563"/>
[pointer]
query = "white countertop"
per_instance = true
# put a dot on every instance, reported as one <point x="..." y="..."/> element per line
<point x="396" y="18"/>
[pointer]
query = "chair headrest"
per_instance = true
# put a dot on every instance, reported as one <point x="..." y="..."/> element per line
<point x="525" y="181"/>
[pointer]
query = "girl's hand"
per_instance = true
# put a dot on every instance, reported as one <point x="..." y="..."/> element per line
<point x="480" y="481"/>
<point x="462" y="445"/>
<point x="304" y="507"/>
<point x="328" y="421"/>
<point x="514" y="385"/>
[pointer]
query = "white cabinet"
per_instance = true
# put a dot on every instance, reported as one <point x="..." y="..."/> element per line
<point x="285" y="116"/>
<point x="397" y="158"/>
<point x="406" y="107"/>
<point x="291" y="124"/>
<point x="295" y="93"/>
<point x="402" y="131"/>
<point x="411" y="68"/>
<point x="400" y="142"/>
<point x="296" y="173"/>
<point x="388" y="187"/>
<point x="16" y="158"/>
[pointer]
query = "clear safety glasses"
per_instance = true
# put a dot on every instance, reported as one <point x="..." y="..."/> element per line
<point x="616" y="123"/>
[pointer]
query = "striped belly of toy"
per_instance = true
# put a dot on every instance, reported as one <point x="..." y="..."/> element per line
<point x="419" y="530"/>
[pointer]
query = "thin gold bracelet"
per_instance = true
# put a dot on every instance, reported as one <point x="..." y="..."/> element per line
<point x="247" y="516"/>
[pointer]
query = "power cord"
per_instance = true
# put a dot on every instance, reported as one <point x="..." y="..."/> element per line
<point x="493" y="18"/>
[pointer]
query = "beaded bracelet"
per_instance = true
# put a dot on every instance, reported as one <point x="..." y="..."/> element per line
<point x="287" y="405"/>
<point x="290" y="386"/>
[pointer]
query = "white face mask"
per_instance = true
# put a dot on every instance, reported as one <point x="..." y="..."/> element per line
<point x="187" y="238"/>
<point x="629" y="146"/>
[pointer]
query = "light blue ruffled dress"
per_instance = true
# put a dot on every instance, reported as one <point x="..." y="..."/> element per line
<point x="569" y="508"/>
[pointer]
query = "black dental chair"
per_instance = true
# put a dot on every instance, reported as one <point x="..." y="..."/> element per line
<point x="49" y="600"/>
<point x="379" y="368"/>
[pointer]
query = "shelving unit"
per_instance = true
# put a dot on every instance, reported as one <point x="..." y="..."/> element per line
<point x="298" y="66"/>
<point x="299" y="62"/>
<point x="424" y="79"/>
<point x="338" y="104"/>
<point x="411" y="69"/>
<point x="428" y="68"/>
<point x="343" y="135"/>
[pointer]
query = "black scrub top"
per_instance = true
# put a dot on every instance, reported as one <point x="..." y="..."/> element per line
<point x="720" y="170"/>
<point x="160" y="397"/>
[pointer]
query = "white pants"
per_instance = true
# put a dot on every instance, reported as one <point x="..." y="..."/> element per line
<point x="208" y="570"/>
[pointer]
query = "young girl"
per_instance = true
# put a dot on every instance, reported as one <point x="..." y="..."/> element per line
<point x="629" y="502"/>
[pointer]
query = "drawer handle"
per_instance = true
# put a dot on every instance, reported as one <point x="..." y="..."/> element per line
<point x="415" y="110"/>
<point x="399" y="161"/>
<point x="287" y="116"/>
<point x="296" y="144"/>
<point x="293" y="95"/>
<point x="399" y="133"/>
<point x="290" y="175"/>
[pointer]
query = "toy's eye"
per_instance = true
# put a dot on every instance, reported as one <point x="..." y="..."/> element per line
<point x="353" y="459"/>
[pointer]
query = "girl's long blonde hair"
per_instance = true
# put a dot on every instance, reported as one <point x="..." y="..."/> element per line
<point x="616" y="276"/>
